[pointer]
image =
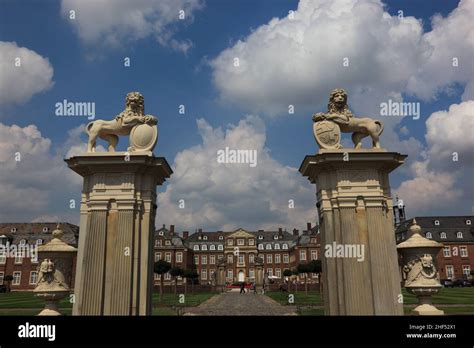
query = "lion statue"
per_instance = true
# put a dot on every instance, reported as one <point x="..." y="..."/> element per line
<point x="339" y="113"/>
<point x="123" y="123"/>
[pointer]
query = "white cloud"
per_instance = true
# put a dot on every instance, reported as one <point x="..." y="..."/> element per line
<point x="40" y="182"/>
<point x="114" y="23"/>
<point x="227" y="196"/>
<point x="23" y="73"/>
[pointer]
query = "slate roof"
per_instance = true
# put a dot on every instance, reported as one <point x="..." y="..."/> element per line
<point x="32" y="231"/>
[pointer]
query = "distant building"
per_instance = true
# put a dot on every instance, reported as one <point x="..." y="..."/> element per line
<point x="456" y="233"/>
<point x="24" y="236"/>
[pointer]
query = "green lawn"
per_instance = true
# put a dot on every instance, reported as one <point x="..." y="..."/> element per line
<point x="26" y="300"/>
<point x="300" y="298"/>
<point x="445" y="296"/>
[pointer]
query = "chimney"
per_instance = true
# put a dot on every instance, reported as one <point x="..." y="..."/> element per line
<point x="280" y="230"/>
<point x="295" y="232"/>
<point x="172" y="229"/>
<point x="185" y="234"/>
<point x="200" y="230"/>
<point x="308" y="226"/>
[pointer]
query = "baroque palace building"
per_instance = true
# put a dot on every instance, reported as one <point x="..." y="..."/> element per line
<point x="456" y="233"/>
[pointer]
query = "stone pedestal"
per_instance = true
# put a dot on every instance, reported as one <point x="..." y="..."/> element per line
<point x="114" y="274"/>
<point x="355" y="210"/>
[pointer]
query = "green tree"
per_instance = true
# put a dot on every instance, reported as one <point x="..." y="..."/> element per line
<point x="175" y="273"/>
<point x="8" y="278"/>
<point x="304" y="268"/>
<point x="288" y="273"/>
<point x="315" y="266"/>
<point x="191" y="274"/>
<point x="161" y="267"/>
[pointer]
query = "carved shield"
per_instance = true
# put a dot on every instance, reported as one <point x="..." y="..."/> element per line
<point x="327" y="134"/>
<point x="143" y="137"/>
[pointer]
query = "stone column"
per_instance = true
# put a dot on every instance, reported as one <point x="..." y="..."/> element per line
<point x="114" y="274"/>
<point x="355" y="211"/>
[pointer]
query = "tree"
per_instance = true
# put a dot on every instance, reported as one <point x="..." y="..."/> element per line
<point x="175" y="273"/>
<point x="161" y="267"/>
<point x="303" y="268"/>
<point x="288" y="273"/>
<point x="193" y="275"/>
<point x="8" y="278"/>
<point x="315" y="266"/>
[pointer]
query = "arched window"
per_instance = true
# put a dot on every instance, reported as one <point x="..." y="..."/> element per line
<point x="285" y="246"/>
<point x="459" y="235"/>
<point x="204" y="247"/>
<point x="277" y="246"/>
<point x="260" y="247"/>
<point x="39" y="242"/>
<point x="436" y="222"/>
<point x="468" y="222"/>
<point x="443" y="235"/>
<point x="45" y="229"/>
<point x="428" y="235"/>
<point x="268" y="247"/>
<point x="196" y="247"/>
<point x="212" y="247"/>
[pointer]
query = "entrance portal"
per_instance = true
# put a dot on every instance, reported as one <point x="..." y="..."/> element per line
<point x="241" y="276"/>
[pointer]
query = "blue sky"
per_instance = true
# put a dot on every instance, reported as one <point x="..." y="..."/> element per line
<point x="92" y="70"/>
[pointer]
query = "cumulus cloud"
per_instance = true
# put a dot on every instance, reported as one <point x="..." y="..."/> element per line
<point x="227" y="196"/>
<point x="23" y="73"/>
<point x="34" y="181"/>
<point x="444" y="178"/>
<point x="115" y="22"/>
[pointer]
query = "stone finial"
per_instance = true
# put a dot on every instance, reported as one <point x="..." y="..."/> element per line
<point x="58" y="232"/>
<point x="328" y="126"/>
<point x="415" y="228"/>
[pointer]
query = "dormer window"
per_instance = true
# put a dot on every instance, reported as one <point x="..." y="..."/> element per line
<point x="428" y="235"/>
<point x="436" y="222"/>
<point x="459" y="235"/>
<point x="205" y="237"/>
<point x="260" y="247"/>
<point x="45" y="229"/>
<point x="196" y="247"/>
<point x="167" y="242"/>
<point x="443" y="235"/>
<point x="204" y="247"/>
<point x="277" y="246"/>
<point x="212" y="247"/>
<point x="260" y="237"/>
<point x="13" y="230"/>
<point x="221" y="237"/>
<point x="161" y="233"/>
<point x="220" y="247"/>
<point x="468" y="222"/>
<point x="23" y="242"/>
<point x="268" y="247"/>
<point x="39" y="242"/>
<point x="285" y="246"/>
<point x="275" y="236"/>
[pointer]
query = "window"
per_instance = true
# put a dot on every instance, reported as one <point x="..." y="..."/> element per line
<point x="303" y="255"/>
<point x="260" y="237"/>
<point x="270" y="272"/>
<point x="205" y="238"/>
<point x="13" y="230"/>
<point x="23" y="242"/>
<point x="168" y="257"/>
<point x="466" y="270"/>
<point x="463" y="251"/>
<point x="268" y="247"/>
<point x="277" y="258"/>
<point x="204" y="274"/>
<point x="251" y="258"/>
<point x="45" y="229"/>
<point x="459" y="235"/>
<point x="230" y="274"/>
<point x="196" y="260"/>
<point x="33" y="277"/>
<point x="16" y="278"/>
<point x="286" y="258"/>
<point x="314" y="255"/>
<point x="196" y="247"/>
<point x="275" y="236"/>
<point x="436" y="222"/>
<point x="269" y="258"/>
<point x="277" y="246"/>
<point x="447" y="251"/>
<point x="240" y="241"/>
<point x="179" y="257"/>
<point x="278" y="272"/>
<point x="167" y="276"/>
<point x="203" y="260"/>
<point x="212" y="259"/>
<point x="252" y="241"/>
<point x="158" y="242"/>
<point x="230" y="259"/>
<point x="285" y="246"/>
<point x="468" y="222"/>
<point x="167" y="242"/>
<point x="251" y="273"/>
<point x="212" y="247"/>
<point x="221" y="237"/>
<point x="157" y="276"/>
<point x="428" y="235"/>
<point x="3" y="258"/>
<point x="230" y="242"/>
<point x="260" y="247"/>
<point x="1" y="277"/>
<point x="34" y="259"/>
<point x="211" y="273"/>
<point x="443" y="235"/>
<point x="220" y="247"/>
<point x="313" y="241"/>
<point x="39" y="242"/>
<point x="161" y="233"/>
<point x="18" y="257"/>
<point x="449" y="272"/>
<point x="157" y="257"/>
<point x="241" y="259"/>
<point x="204" y="247"/>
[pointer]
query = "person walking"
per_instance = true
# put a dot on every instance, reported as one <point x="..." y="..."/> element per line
<point x="254" y="286"/>
<point x="242" y="288"/>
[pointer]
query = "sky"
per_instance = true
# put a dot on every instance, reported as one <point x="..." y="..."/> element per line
<point x="289" y="53"/>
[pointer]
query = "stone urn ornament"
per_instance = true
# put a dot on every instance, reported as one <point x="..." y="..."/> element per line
<point x="142" y="129"/>
<point x="328" y="126"/>
<point x="420" y="275"/>
<point x="54" y="272"/>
